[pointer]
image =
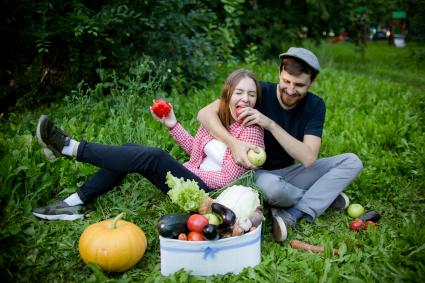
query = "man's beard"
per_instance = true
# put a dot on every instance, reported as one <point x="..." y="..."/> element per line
<point x="289" y="100"/>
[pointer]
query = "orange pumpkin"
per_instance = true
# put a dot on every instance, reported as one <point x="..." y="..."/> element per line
<point x="114" y="244"/>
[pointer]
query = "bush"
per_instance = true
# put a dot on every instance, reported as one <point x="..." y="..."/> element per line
<point x="63" y="43"/>
<point x="50" y="46"/>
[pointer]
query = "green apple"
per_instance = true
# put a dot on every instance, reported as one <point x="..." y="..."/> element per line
<point x="213" y="219"/>
<point x="355" y="210"/>
<point x="257" y="157"/>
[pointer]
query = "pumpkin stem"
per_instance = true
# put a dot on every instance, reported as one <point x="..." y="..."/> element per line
<point x="116" y="219"/>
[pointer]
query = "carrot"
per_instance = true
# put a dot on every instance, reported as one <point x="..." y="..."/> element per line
<point x="295" y="244"/>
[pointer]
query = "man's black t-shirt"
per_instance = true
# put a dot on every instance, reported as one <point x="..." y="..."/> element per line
<point x="307" y="118"/>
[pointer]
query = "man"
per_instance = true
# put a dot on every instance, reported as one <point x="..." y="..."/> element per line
<point x="293" y="119"/>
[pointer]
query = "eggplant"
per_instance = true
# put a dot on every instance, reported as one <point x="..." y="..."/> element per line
<point x="228" y="216"/>
<point x="171" y="225"/>
<point x="210" y="232"/>
<point x="223" y="229"/>
<point x="370" y="216"/>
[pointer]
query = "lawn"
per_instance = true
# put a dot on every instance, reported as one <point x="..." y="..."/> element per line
<point x="375" y="108"/>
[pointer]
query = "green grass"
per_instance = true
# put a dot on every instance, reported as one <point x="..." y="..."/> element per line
<point x="381" y="61"/>
<point x="373" y="110"/>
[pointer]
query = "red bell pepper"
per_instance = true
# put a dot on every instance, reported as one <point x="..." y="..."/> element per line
<point x="161" y="107"/>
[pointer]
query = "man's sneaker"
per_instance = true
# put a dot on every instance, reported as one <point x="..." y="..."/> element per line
<point x="50" y="137"/>
<point x="59" y="211"/>
<point x="341" y="202"/>
<point x="282" y="221"/>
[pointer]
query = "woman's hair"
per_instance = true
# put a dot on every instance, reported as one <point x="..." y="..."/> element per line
<point x="229" y="87"/>
<point x="296" y="67"/>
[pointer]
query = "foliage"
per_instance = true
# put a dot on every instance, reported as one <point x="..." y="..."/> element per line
<point x="415" y="10"/>
<point x="369" y="113"/>
<point x="50" y="46"/>
<point x="274" y="25"/>
<point x="64" y="43"/>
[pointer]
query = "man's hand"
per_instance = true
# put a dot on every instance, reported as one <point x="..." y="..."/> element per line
<point x="250" y="116"/>
<point x="239" y="150"/>
<point x="208" y="116"/>
<point x="305" y="151"/>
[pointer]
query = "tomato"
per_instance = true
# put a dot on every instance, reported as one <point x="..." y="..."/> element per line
<point x="369" y="224"/>
<point x="195" y="236"/>
<point x="197" y="222"/>
<point x="356" y="225"/>
<point x="161" y="107"/>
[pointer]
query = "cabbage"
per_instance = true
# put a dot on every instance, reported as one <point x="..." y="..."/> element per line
<point x="240" y="199"/>
<point x="185" y="194"/>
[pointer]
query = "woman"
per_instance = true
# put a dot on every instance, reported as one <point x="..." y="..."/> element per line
<point x="210" y="165"/>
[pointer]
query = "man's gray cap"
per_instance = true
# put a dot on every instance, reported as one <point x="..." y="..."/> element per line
<point x="303" y="54"/>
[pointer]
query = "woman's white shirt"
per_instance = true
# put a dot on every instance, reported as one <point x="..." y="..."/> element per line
<point x="214" y="151"/>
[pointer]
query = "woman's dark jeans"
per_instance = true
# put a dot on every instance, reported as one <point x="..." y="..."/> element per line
<point x="116" y="162"/>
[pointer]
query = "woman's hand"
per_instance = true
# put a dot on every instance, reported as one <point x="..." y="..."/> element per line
<point x="170" y="120"/>
<point x="239" y="150"/>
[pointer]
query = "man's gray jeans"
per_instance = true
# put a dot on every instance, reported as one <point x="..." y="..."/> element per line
<point x="312" y="189"/>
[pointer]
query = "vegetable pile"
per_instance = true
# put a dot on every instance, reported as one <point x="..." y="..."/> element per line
<point x="367" y="220"/>
<point x="237" y="210"/>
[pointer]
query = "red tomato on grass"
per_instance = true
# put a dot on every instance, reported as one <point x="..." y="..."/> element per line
<point x="369" y="224"/>
<point x="356" y="225"/>
<point x="161" y="107"/>
<point x="197" y="222"/>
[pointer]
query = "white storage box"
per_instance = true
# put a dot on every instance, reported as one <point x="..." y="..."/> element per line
<point x="211" y="257"/>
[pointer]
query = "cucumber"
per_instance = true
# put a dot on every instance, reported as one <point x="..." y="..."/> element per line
<point x="171" y="225"/>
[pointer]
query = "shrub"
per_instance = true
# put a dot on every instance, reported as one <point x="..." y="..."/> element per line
<point x="64" y="43"/>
